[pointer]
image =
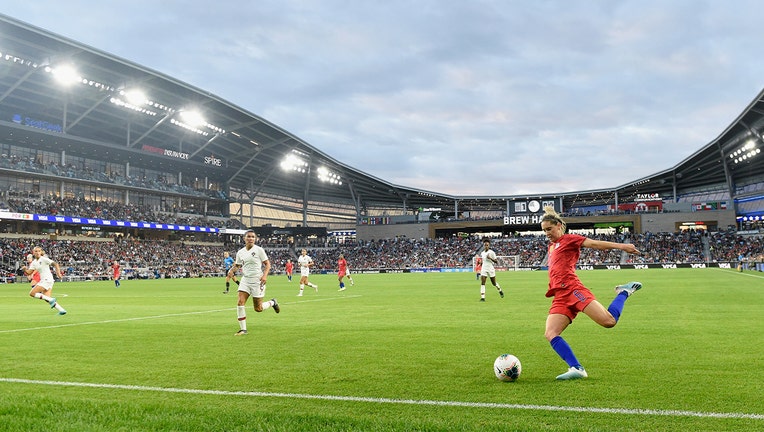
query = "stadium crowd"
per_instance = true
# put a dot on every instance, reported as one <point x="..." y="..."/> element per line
<point x="89" y="259"/>
<point x="35" y="165"/>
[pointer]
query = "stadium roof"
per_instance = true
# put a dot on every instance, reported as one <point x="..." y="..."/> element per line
<point x="96" y="118"/>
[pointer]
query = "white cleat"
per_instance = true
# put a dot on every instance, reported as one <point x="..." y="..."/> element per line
<point x="630" y="288"/>
<point x="573" y="373"/>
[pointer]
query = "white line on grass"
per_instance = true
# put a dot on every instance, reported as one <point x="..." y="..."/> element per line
<point x="156" y="316"/>
<point x="648" y="412"/>
<point x="751" y="275"/>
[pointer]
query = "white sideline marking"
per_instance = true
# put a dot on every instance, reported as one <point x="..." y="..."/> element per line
<point x="751" y="275"/>
<point x="648" y="412"/>
<point x="158" y="316"/>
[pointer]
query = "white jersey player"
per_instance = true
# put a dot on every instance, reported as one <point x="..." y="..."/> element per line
<point x="305" y="262"/>
<point x="489" y="259"/>
<point x="255" y="266"/>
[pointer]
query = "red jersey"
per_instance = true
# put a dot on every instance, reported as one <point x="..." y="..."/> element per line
<point x="35" y="278"/>
<point x="563" y="256"/>
<point x="342" y="264"/>
<point x="289" y="267"/>
<point x="116" y="269"/>
<point x="478" y="264"/>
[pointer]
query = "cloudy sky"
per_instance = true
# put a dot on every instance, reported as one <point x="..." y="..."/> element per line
<point x="461" y="97"/>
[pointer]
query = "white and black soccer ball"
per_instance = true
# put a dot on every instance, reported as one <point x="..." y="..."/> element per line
<point x="507" y="368"/>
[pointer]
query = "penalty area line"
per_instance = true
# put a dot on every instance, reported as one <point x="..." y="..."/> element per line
<point x="626" y="411"/>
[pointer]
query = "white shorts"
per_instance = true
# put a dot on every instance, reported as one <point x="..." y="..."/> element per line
<point x="488" y="273"/>
<point x="45" y="283"/>
<point x="252" y="287"/>
<point x="305" y="272"/>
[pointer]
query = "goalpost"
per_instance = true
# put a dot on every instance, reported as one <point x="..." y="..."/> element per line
<point x="506" y="263"/>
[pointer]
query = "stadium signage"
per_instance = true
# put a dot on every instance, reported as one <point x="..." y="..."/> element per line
<point x="648" y="197"/>
<point x="35" y="123"/>
<point x="522" y="220"/>
<point x="105" y="222"/>
<point x="212" y="160"/>
<point x="166" y="152"/>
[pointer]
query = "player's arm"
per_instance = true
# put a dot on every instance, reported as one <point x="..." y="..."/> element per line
<point x="58" y="270"/>
<point x="606" y="245"/>
<point x="232" y="272"/>
<point x="266" y="271"/>
<point x="233" y="269"/>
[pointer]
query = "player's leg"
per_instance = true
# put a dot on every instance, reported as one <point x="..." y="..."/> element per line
<point x="599" y="314"/>
<point x="56" y="304"/>
<point x="555" y="325"/>
<point x="38" y="291"/>
<point x="241" y="311"/>
<point x="482" y="287"/>
<point x="257" y="302"/>
<point x="310" y="284"/>
<point x="496" y="284"/>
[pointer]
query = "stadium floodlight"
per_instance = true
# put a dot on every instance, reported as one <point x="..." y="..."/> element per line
<point x="745" y="152"/>
<point x="135" y="97"/>
<point x="65" y="74"/>
<point x="327" y="176"/>
<point x="193" y="118"/>
<point x="292" y="162"/>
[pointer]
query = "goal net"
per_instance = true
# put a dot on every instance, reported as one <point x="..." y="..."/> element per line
<point x="506" y="263"/>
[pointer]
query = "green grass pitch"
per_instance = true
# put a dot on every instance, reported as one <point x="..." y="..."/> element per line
<point x="395" y="352"/>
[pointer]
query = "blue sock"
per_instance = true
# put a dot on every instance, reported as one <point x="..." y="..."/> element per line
<point x="342" y="284"/>
<point x="616" y="306"/>
<point x="563" y="350"/>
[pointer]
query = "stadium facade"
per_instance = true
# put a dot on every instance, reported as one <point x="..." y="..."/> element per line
<point x="79" y="124"/>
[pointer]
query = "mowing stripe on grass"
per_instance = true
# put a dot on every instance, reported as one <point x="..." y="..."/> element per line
<point x="647" y="412"/>
<point x="157" y="316"/>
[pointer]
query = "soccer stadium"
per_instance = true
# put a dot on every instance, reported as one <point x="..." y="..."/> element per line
<point x="104" y="160"/>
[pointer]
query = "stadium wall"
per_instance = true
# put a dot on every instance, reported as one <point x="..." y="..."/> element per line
<point x="647" y="222"/>
<point x="668" y="222"/>
<point x="376" y="232"/>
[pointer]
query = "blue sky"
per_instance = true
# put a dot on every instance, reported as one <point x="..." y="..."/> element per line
<point x="458" y="97"/>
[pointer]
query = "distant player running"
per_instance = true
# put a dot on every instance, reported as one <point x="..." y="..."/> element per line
<point x="289" y="268"/>
<point x="43" y="288"/>
<point x="305" y="262"/>
<point x="227" y="264"/>
<point x="117" y="272"/>
<point x="488" y="257"/>
<point x="342" y="272"/>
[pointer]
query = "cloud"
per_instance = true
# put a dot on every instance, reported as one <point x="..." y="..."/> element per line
<point x="458" y="97"/>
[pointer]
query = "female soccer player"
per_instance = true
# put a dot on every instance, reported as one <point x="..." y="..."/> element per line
<point x="43" y="289"/>
<point x="305" y="262"/>
<point x="227" y="264"/>
<point x="487" y="270"/>
<point x="570" y="296"/>
<point x="289" y="267"/>
<point x="342" y="271"/>
<point x="255" y="266"/>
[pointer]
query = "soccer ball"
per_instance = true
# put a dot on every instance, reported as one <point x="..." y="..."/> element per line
<point x="507" y="368"/>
